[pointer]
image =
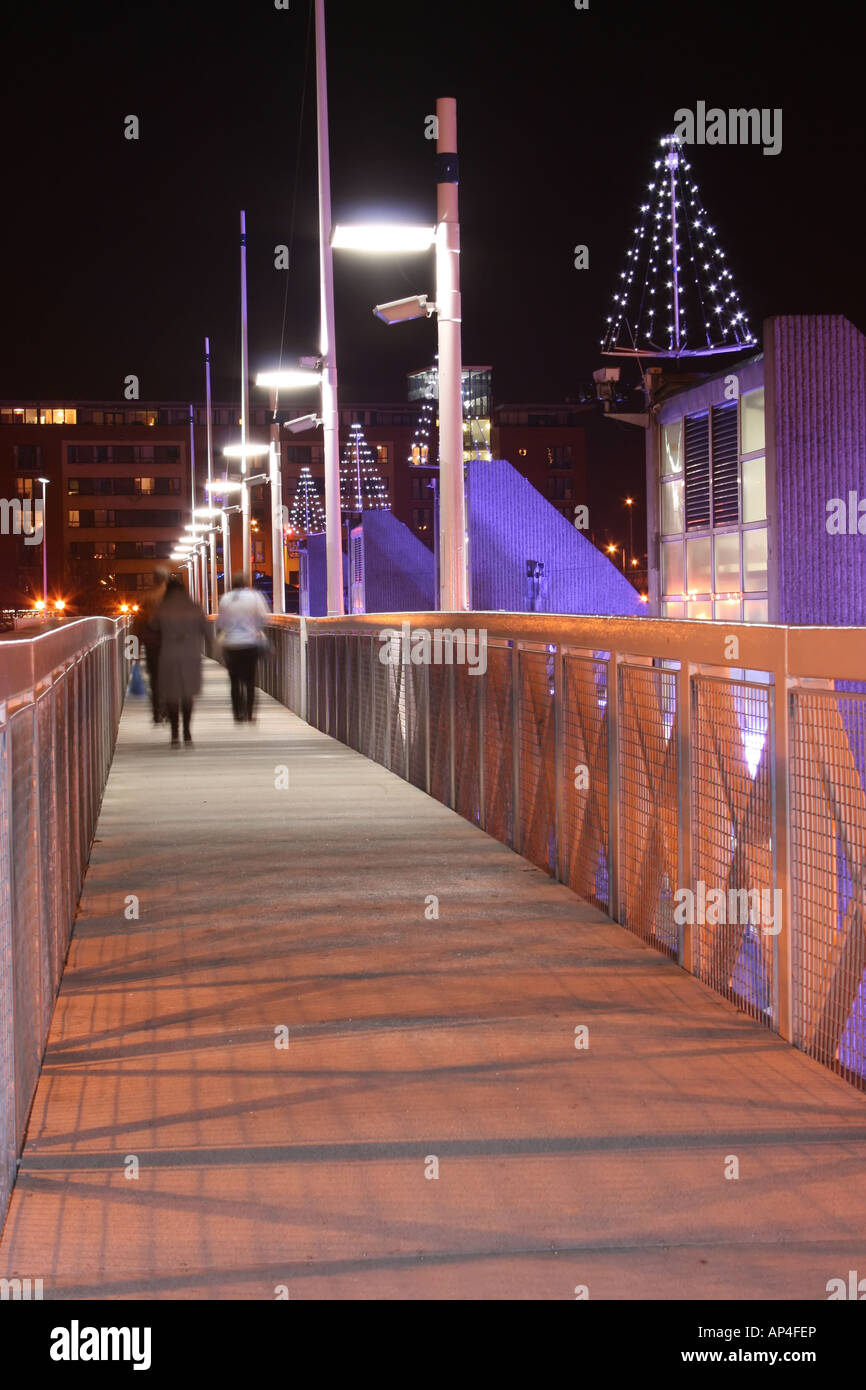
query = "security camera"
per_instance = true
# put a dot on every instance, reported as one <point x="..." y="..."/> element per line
<point x="401" y="310"/>
<point x="314" y="363"/>
<point x="302" y="422"/>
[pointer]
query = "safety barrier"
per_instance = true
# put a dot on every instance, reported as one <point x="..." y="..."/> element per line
<point x="61" y="694"/>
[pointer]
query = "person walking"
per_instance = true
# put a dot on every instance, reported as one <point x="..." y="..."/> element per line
<point x="240" y="626"/>
<point x="148" y="637"/>
<point x="182" y="629"/>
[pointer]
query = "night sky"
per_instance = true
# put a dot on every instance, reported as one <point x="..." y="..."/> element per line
<point x="119" y="256"/>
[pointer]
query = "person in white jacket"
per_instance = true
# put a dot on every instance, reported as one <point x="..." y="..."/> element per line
<point x="240" y="626"/>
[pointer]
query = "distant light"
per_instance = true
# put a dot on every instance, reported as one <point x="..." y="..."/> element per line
<point x="43" y="480"/>
<point x="383" y="238"/>
<point x="60" y="604"/>
<point x="124" y="608"/>
<point x="39" y="605"/>
<point x="644" y="598"/>
<point x="135" y="608"/>
<point x="206" y="511"/>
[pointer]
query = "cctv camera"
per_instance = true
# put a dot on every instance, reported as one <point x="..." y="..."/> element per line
<point x="401" y="310"/>
<point x="302" y="422"/>
<point x="314" y="363"/>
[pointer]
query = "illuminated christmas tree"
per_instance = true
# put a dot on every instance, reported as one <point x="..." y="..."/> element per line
<point x="676" y="297"/>
<point x="420" y="453"/>
<point x="307" y="516"/>
<point x="362" y="487"/>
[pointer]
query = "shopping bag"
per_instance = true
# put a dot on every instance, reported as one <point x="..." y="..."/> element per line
<point x="136" y="681"/>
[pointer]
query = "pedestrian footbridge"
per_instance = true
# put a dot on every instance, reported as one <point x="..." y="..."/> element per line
<point x="532" y="971"/>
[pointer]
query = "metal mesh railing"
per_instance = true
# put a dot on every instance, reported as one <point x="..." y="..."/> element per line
<point x="60" y="700"/>
<point x="719" y="814"/>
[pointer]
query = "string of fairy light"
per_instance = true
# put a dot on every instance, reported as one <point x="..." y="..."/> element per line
<point x="362" y="487"/>
<point x="699" y="280"/>
<point x="307" y="515"/>
<point x="419" y="453"/>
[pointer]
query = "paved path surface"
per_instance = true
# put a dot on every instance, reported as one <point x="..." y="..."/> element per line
<point x="408" y="1039"/>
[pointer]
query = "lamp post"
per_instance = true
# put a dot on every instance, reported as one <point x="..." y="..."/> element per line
<point x="327" y="343"/>
<point x="44" y="482"/>
<point x="445" y="237"/>
<point x="295" y="379"/>
<point x="629" y="502"/>
<point x="244" y="451"/>
<point x="214" y="589"/>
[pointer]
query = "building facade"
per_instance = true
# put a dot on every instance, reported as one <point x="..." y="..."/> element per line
<point x="117" y="496"/>
<point x="756" y="483"/>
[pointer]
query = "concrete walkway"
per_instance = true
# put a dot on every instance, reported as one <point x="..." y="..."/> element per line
<point x="409" y="1040"/>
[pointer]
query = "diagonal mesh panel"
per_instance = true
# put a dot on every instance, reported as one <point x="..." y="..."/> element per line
<point x="828" y="872"/>
<point x="498" y="751"/>
<point x="467" y="692"/>
<point x="419" y="713"/>
<point x="536" y="783"/>
<point x="648" y="804"/>
<point x="439" y="678"/>
<point x="584" y="854"/>
<point x="733" y="942"/>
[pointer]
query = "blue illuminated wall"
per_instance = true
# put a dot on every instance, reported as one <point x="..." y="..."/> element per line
<point x="510" y="523"/>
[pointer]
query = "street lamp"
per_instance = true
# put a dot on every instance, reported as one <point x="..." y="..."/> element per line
<point x="446" y="239"/>
<point x="291" y="379"/>
<point x="244" y="451"/>
<point x="44" y="482"/>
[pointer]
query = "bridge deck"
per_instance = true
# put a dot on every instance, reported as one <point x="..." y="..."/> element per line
<point x="409" y="1039"/>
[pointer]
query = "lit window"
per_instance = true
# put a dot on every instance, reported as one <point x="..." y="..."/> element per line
<point x="755" y="610"/>
<point x="754" y="560"/>
<point x="74" y="518"/>
<point x="672" y="507"/>
<point x="727" y="557"/>
<point x="698" y="578"/>
<point x="754" y="489"/>
<point x="672" y="448"/>
<point x="673" y="577"/>
<point x="699" y="609"/>
<point x="752" y="421"/>
<point x="727" y="610"/>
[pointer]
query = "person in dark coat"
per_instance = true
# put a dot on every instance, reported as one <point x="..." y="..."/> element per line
<point x="148" y="638"/>
<point x="182" y="628"/>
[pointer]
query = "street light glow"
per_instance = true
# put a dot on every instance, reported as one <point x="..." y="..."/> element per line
<point x="383" y="238"/>
<point x="289" y="379"/>
<point x="224" y="485"/>
<point x="206" y="511"/>
<point x="245" y="451"/>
